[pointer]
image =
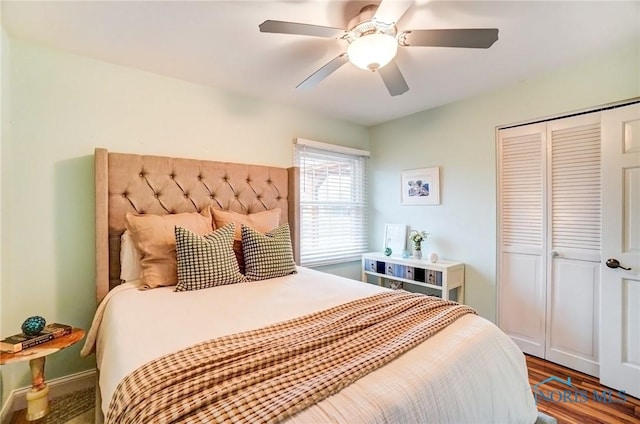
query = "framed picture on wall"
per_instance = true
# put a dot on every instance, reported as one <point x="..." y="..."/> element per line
<point x="421" y="186"/>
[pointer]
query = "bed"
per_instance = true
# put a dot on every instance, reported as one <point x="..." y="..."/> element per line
<point x="468" y="372"/>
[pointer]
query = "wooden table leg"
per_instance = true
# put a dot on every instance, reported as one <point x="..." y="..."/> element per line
<point x="38" y="396"/>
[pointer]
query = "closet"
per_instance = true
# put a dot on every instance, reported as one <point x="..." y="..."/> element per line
<point x="569" y="241"/>
<point x="549" y="224"/>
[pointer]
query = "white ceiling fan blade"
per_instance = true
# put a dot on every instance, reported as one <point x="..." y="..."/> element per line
<point x="329" y="68"/>
<point x="390" y="11"/>
<point x="282" y="27"/>
<point x="393" y="79"/>
<point x="475" y="38"/>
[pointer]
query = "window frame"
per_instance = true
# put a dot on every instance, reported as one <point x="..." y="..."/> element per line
<point x="342" y="202"/>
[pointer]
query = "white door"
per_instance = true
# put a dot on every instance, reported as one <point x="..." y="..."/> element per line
<point x="620" y="296"/>
<point x="549" y="194"/>
<point x="521" y="245"/>
<point x="573" y="233"/>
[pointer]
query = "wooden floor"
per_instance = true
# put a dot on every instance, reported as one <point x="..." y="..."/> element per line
<point x="578" y="404"/>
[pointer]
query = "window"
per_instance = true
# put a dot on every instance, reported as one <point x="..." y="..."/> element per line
<point x="333" y="206"/>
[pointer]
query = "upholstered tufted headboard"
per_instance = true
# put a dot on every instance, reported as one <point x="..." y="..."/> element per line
<point x="163" y="185"/>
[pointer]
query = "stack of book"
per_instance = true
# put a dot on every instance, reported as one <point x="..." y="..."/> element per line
<point x="19" y="342"/>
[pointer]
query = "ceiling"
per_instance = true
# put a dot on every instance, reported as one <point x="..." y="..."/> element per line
<point x="218" y="43"/>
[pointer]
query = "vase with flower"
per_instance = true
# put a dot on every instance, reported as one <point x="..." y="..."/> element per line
<point x="417" y="237"/>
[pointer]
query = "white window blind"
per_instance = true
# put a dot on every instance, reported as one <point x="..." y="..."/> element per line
<point x="333" y="206"/>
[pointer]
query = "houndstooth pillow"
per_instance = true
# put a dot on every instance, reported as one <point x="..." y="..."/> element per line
<point x="267" y="255"/>
<point x="206" y="261"/>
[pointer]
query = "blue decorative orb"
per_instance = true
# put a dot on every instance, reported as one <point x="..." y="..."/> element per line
<point x="387" y="251"/>
<point x="33" y="325"/>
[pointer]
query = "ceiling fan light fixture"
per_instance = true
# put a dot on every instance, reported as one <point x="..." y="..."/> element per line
<point x="372" y="51"/>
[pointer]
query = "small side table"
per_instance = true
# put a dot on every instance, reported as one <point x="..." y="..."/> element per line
<point x="443" y="276"/>
<point x="38" y="396"/>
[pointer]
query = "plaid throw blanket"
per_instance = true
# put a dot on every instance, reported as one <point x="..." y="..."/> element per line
<point x="269" y="374"/>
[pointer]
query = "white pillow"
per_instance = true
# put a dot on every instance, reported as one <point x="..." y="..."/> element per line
<point x="129" y="259"/>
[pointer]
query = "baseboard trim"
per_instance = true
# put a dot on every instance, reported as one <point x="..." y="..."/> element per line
<point x="7" y="409"/>
<point x="57" y="387"/>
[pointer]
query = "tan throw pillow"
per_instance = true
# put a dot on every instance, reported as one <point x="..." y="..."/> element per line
<point x="154" y="237"/>
<point x="259" y="221"/>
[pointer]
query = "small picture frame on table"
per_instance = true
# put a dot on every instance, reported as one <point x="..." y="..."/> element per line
<point x="395" y="238"/>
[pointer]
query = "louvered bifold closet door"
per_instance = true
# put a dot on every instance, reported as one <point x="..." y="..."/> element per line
<point x="521" y="227"/>
<point x="574" y="196"/>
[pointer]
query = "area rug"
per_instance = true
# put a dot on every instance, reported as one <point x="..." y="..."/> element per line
<point x="73" y="408"/>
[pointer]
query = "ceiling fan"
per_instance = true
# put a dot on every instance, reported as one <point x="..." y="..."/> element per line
<point x="374" y="39"/>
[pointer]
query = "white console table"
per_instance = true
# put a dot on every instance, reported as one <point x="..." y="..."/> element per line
<point x="442" y="275"/>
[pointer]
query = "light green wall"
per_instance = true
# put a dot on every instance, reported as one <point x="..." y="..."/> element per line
<point x="4" y="131"/>
<point x="460" y="138"/>
<point x="345" y="269"/>
<point x="62" y="107"/>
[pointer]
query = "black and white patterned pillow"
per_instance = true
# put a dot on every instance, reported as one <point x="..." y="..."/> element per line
<point x="206" y="261"/>
<point x="267" y="255"/>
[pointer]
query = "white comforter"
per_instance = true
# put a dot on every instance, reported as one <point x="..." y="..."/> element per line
<point x="469" y="373"/>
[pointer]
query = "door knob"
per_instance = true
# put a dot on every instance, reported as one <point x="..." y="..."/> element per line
<point x="554" y="254"/>
<point x="614" y="263"/>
